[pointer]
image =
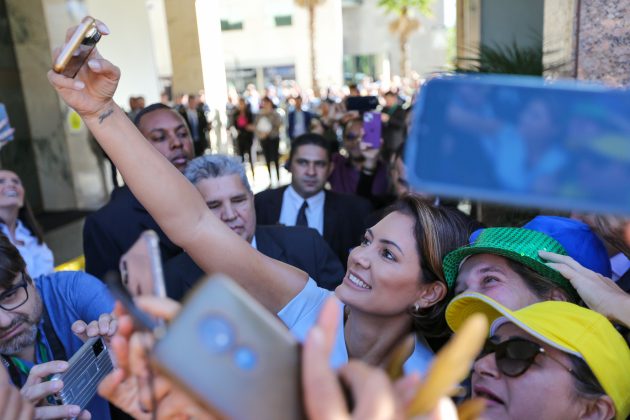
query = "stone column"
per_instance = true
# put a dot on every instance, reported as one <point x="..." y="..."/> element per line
<point x="181" y="18"/>
<point x="40" y="152"/>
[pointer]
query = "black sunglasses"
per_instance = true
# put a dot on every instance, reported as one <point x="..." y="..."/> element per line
<point x="516" y="355"/>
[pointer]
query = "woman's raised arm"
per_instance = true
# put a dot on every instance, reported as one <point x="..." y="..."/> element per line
<point x="167" y="195"/>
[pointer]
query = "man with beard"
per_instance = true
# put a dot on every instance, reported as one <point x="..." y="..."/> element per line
<point x="43" y="323"/>
<point x="110" y="232"/>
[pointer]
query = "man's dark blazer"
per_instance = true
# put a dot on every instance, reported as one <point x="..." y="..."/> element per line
<point x="202" y="128"/>
<point x="109" y="232"/>
<point x="345" y="217"/>
<point x="291" y="123"/>
<point x="300" y="247"/>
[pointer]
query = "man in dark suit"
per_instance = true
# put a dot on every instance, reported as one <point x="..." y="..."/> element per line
<point x="299" y="120"/>
<point x="194" y="115"/>
<point x="109" y="232"/>
<point x="222" y="182"/>
<point x="339" y="218"/>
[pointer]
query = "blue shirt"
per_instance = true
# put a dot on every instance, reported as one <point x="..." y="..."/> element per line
<point x="70" y="296"/>
<point x="301" y="313"/>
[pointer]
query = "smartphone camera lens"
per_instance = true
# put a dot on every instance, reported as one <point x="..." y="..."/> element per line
<point x="245" y="358"/>
<point x="216" y="334"/>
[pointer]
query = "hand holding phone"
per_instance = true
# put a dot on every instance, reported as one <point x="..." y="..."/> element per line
<point x="78" y="48"/>
<point x="236" y="352"/>
<point x="86" y="368"/>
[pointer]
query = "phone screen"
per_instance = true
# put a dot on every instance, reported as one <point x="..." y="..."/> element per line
<point x="5" y="116"/>
<point x="522" y="141"/>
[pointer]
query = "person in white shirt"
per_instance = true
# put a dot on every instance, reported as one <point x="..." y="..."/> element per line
<point x="19" y="225"/>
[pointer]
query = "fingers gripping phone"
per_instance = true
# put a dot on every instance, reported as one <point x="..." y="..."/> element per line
<point x="87" y="368"/>
<point x="234" y="356"/>
<point x="78" y="48"/>
<point x="141" y="267"/>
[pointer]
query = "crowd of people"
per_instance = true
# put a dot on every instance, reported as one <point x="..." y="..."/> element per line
<point x="349" y="257"/>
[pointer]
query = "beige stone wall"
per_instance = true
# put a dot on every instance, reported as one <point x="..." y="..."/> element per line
<point x="559" y="37"/>
<point x="181" y="19"/>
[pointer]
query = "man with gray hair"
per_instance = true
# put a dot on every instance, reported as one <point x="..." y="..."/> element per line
<point x="222" y="182"/>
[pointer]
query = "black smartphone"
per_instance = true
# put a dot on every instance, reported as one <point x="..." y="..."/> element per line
<point x="522" y="141"/>
<point x="361" y="103"/>
<point x="235" y="357"/>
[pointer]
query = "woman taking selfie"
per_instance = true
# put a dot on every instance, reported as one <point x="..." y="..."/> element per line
<point x="394" y="284"/>
<point x="19" y="225"/>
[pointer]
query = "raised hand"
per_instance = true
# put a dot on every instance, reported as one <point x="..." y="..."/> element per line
<point x="601" y="294"/>
<point x="36" y="389"/>
<point x="90" y="93"/>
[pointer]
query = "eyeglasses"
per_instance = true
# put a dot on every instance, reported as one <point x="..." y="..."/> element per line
<point x="516" y="355"/>
<point x="14" y="297"/>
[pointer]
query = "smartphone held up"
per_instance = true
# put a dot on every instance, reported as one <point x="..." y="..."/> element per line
<point x="78" y="48"/>
<point x="522" y="141"/>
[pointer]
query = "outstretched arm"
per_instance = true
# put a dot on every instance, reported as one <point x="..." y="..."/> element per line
<point x="166" y="194"/>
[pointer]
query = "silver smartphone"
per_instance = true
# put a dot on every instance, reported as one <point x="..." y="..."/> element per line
<point x="234" y="356"/>
<point x="141" y="267"/>
<point x="88" y="367"/>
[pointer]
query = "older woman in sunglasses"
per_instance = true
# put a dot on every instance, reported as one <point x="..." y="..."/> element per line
<point x="550" y="360"/>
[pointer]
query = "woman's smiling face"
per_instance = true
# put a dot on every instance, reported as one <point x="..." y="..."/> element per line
<point x="384" y="274"/>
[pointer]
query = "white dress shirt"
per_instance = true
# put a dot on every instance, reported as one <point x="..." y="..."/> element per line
<point x="291" y="203"/>
<point x="38" y="257"/>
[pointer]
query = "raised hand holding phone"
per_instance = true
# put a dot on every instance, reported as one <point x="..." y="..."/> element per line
<point x="91" y="91"/>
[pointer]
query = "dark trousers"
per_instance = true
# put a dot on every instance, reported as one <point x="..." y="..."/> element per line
<point x="245" y="140"/>
<point x="200" y="146"/>
<point x="271" y="150"/>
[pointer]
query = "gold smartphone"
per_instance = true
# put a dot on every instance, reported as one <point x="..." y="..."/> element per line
<point x="233" y="355"/>
<point x="78" y="48"/>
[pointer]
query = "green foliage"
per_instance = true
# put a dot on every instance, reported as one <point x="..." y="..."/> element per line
<point x="510" y="59"/>
<point x="401" y="7"/>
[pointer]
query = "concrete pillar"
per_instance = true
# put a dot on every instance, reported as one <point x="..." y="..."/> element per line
<point x="181" y="19"/>
<point x="213" y="68"/>
<point x="129" y="46"/>
<point x="40" y="152"/>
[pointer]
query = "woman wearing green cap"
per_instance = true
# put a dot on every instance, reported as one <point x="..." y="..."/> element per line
<point x="505" y="264"/>
<point x="550" y="360"/>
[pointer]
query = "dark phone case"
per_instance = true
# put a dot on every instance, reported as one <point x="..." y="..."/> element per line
<point x="209" y="349"/>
